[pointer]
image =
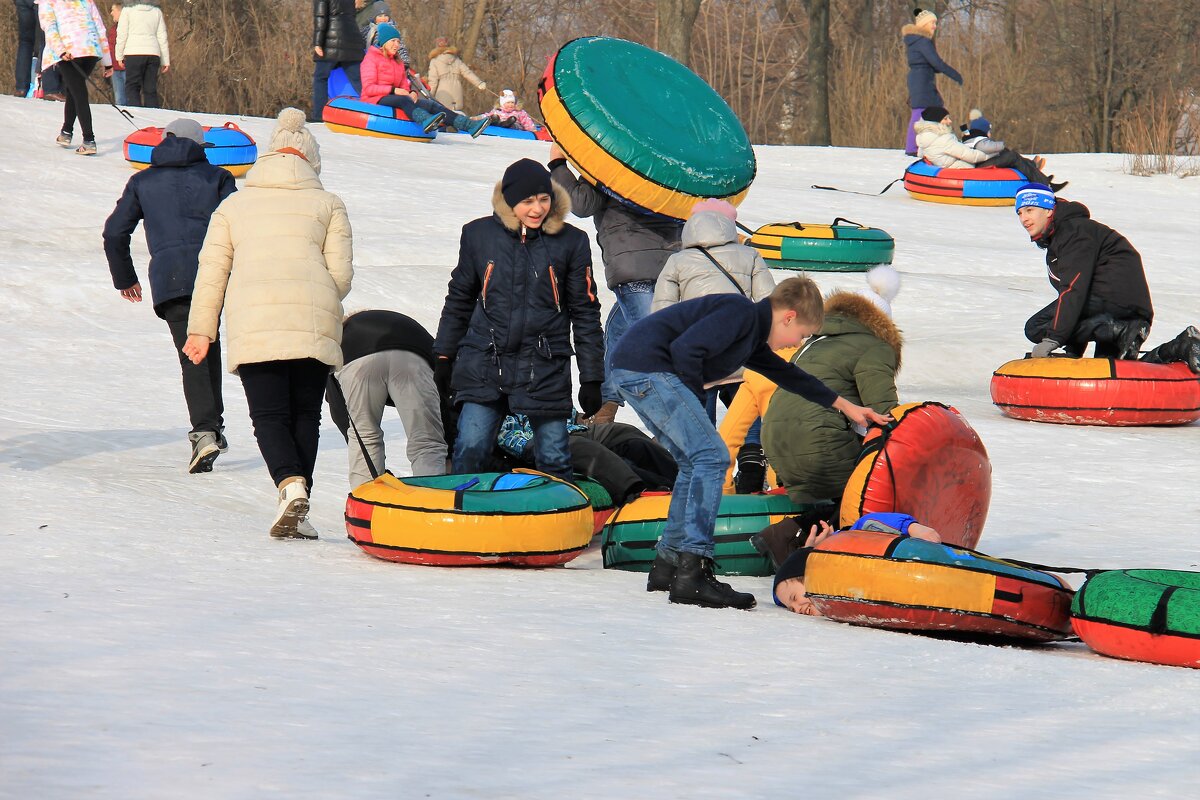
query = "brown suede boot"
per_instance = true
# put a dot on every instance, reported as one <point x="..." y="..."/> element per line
<point x="606" y="414"/>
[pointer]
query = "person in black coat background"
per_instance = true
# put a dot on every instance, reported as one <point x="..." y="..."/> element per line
<point x="337" y="42"/>
<point x="175" y="196"/>
<point x="522" y="286"/>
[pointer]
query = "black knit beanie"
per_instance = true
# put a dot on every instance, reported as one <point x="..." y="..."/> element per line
<point x="792" y="567"/>
<point x="523" y="179"/>
<point x="934" y="114"/>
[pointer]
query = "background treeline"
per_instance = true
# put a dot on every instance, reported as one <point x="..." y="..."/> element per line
<point x="1052" y="75"/>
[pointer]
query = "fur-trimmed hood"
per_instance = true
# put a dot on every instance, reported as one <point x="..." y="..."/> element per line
<point x="437" y="51"/>
<point x="842" y="307"/>
<point x="912" y="30"/>
<point x="560" y="206"/>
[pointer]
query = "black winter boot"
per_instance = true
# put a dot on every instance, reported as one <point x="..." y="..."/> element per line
<point x="695" y="585"/>
<point x="1185" y="347"/>
<point x="661" y="575"/>
<point x="780" y="540"/>
<point x="1132" y="332"/>
<point x="752" y="469"/>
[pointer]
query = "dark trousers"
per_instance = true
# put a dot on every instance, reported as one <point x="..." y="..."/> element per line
<point x="284" y="398"/>
<point x="74" y="79"/>
<point x="320" y="89"/>
<point x="141" y="81"/>
<point x="1014" y="160"/>
<point x="1098" y="325"/>
<point x="27" y="28"/>
<point x="201" y="382"/>
<point x="406" y="104"/>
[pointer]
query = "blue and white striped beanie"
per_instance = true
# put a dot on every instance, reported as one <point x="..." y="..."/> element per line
<point x="1035" y="194"/>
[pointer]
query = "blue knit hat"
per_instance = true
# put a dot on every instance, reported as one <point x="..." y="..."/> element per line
<point x="385" y="33"/>
<point x="1035" y="194"/>
<point x="981" y="125"/>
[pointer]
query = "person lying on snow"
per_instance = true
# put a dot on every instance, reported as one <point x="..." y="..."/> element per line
<point x="1102" y="292"/>
<point x="621" y="458"/>
<point x="522" y="286"/>
<point x="789" y="591"/>
<point x="662" y="368"/>
<point x="940" y="147"/>
<point x="385" y="81"/>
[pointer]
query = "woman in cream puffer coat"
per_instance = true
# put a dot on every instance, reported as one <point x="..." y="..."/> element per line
<point x="143" y="50"/>
<point x="278" y="260"/>
<point x="940" y="147"/>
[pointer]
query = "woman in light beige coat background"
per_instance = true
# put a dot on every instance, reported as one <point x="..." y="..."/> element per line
<point x="278" y="260"/>
<point x="446" y="73"/>
<point x="142" y="49"/>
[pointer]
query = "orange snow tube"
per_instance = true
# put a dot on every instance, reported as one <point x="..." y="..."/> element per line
<point x="887" y="581"/>
<point x="1097" y="391"/>
<point x="930" y="464"/>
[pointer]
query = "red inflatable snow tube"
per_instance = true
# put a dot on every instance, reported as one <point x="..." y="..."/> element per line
<point x="1097" y="391"/>
<point x="931" y="464"/>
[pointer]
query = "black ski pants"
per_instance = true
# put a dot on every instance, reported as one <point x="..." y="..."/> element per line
<point x="141" y="81"/>
<point x="284" y="398"/>
<point x="201" y="382"/>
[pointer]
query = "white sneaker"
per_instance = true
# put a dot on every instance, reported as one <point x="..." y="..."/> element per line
<point x="305" y="529"/>
<point x="293" y="507"/>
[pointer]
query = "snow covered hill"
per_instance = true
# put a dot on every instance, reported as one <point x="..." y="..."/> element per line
<point x="155" y="643"/>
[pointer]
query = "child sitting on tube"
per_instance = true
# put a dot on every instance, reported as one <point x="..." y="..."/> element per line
<point x="789" y="589"/>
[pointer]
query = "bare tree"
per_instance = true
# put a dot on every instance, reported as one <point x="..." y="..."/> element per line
<point x="674" y="24"/>
<point x="818" y="72"/>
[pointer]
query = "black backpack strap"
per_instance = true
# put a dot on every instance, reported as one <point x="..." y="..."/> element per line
<point x="717" y="264"/>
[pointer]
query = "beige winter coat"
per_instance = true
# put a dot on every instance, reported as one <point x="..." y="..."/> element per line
<point x="689" y="274"/>
<point x="445" y="74"/>
<point x="278" y="257"/>
<point x="141" y="31"/>
<point x="941" y="147"/>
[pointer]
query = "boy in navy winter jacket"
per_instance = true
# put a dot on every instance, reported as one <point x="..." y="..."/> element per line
<point x="522" y="287"/>
<point x="662" y="368"/>
<point x="175" y="196"/>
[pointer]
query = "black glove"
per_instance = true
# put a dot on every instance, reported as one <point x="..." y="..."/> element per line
<point x="443" y="369"/>
<point x="589" y="397"/>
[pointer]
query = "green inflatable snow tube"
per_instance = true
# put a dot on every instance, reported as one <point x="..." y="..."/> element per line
<point x="1141" y="614"/>
<point x="631" y="534"/>
<point x="823" y="248"/>
<point x="644" y="127"/>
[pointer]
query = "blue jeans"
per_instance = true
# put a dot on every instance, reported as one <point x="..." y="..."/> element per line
<point x="478" y="425"/>
<point x="677" y="419"/>
<point x="754" y="435"/>
<point x="118" y="86"/>
<point x="320" y="87"/>
<point x="633" y="303"/>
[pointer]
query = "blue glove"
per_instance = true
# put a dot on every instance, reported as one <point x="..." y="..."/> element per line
<point x="1044" y="348"/>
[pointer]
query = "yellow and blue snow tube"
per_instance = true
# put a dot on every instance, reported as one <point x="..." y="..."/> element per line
<point x="644" y="128"/>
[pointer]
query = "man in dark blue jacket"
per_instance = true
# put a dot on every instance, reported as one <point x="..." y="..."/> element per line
<point x="662" y="368"/>
<point x="175" y="196"/>
<point x="523" y="286"/>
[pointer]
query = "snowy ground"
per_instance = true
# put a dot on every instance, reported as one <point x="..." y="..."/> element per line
<point x="155" y="643"/>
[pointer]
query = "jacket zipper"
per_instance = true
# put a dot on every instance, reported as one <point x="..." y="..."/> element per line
<point x="554" y="288"/>
<point x="487" y="276"/>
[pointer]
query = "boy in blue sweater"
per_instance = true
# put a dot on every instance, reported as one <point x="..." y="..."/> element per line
<point x="662" y="368"/>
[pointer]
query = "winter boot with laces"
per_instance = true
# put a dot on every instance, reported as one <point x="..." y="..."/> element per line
<point x="293" y="507"/>
<point x="752" y="469"/>
<point x="1130" y="335"/>
<point x="695" y="585"/>
<point x="64" y="139"/>
<point x="661" y="575"/>
<point x="205" y="450"/>
<point x="86" y="149"/>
